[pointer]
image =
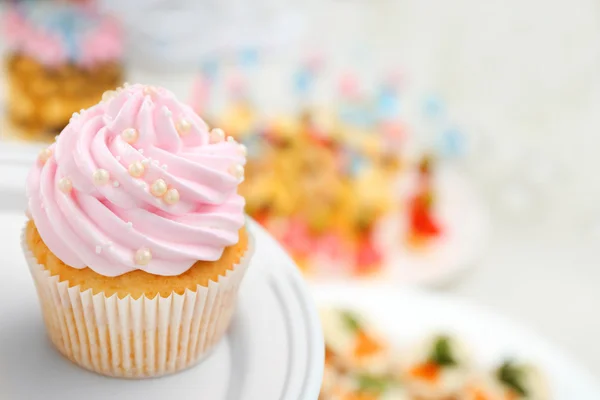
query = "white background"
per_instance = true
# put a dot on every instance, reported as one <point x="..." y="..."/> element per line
<point x="522" y="76"/>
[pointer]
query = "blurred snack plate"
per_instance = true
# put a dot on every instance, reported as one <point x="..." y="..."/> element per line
<point x="385" y="343"/>
<point x="356" y="202"/>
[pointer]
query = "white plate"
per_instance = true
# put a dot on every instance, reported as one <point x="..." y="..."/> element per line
<point x="407" y="315"/>
<point x="273" y="350"/>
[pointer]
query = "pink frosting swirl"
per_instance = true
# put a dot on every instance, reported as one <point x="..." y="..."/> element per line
<point x="93" y="207"/>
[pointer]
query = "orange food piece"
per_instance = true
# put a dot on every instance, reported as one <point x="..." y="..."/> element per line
<point x="511" y="395"/>
<point x="328" y="356"/>
<point x="479" y="395"/>
<point x="360" y="396"/>
<point x="428" y="371"/>
<point x="366" y="345"/>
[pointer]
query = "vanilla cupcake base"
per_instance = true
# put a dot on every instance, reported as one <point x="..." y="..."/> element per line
<point x="136" y="338"/>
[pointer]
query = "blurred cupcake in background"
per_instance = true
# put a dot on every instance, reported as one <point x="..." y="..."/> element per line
<point x="61" y="57"/>
<point x="137" y="240"/>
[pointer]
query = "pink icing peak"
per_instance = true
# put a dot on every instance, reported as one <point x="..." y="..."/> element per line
<point x="103" y="44"/>
<point x="101" y="224"/>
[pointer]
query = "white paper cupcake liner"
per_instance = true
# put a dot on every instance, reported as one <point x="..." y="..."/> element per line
<point x="141" y="338"/>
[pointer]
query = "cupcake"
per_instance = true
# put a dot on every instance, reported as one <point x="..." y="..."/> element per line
<point x="136" y="240"/>
<point x="61" y="57"/>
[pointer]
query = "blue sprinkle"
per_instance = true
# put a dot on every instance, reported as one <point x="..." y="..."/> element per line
<point x="303" y="81"/>
<point x="356" y="164"/>
<point x="249" y="57"/>
<point x="70" y="39"/>
<point x="210" y="68"/>
<point x="453" y="143"/>
<point x="70" y="25"/>
<point x="356" y="115"/>
<point x="254" y="144"/>
<point x="433" y="107"/>
<point x="388" y="105"/>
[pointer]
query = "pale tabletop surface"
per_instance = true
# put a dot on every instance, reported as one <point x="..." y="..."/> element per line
<point x="526" y="74"/>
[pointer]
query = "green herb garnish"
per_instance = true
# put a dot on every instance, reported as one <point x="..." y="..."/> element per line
<point x="512" y="376"/>
<point x="442" y="352"/>
<point x="372" y="384"/>
<point x="351" y="321"/>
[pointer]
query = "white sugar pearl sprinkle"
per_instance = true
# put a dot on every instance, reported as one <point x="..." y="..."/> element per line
<point x="183" y="127"/>
<point x="230" y="139"/>
<point x="98" y="249"/>
<point x="130" y="135"/>
<point x="143" y="256"/>
<point x="65" y="185"/>
<point x="217" y="135"/>
<point x="109" y="95"/>
<point x="158" y="188"/>
<point x="141" y="151"/>
<point x="116" y="184"/>
<point x="136" y="169"/>
<point x="237" y="171"/>
<point x="45" y="155"/>
<point x="167" y="113"/>
<point x="101" y="177"/>
<point x="145" y="161"/>
<point x="243" y="150"/>
<point x="171" y="197"/>
<point x="130" y="225"/>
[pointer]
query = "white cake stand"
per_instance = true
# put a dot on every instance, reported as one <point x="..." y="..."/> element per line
<point x="273" y="350"/>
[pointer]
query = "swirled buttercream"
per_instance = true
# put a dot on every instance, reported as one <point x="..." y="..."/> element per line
<point x="138" y="182"/>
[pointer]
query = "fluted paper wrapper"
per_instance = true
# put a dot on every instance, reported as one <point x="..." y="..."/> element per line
<point x="141" y="338"/>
